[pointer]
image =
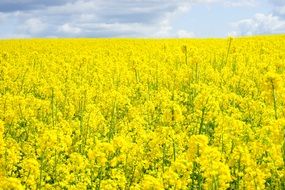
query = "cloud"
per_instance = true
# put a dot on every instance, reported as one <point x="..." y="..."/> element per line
<point x="277" y="2"/>
<point x="69" y="29"/>
<point x="280" y="11"/>
<point x="91" y="18"/>
<point x="123" y="11"/>
<point x="33" y="26"/>
<point x="97" y="18"/>
<point x="185" y="34"/>
<point x="23" y="5"/>
<point x="230" y="3"/>
<point x="259" y="24"/>
<point x="240" y="3"/>
<point x="2" y="17"/>
<point x="279" y="7"/>
<point x="271" y="23"/>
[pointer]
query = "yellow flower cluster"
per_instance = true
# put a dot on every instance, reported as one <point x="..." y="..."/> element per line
<point x="142" y="114"/>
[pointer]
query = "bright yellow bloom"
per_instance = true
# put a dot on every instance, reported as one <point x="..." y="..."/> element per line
<point x="142" y="114"/>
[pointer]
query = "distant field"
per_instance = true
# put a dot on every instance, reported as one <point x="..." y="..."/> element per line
<point x="142" y="114"/>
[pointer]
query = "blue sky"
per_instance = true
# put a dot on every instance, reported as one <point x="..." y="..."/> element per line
<point x="140" y="18"/>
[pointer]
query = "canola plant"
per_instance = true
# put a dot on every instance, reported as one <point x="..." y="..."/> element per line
<point x="142" y="114"/>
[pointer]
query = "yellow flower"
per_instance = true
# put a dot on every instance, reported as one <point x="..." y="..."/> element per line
<point x="142" y="114"/>
<point x="10" y="183"/>
<point x="151" y="183"/>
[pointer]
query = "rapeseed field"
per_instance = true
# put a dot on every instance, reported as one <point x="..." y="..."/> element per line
<point x="142" y="114"/>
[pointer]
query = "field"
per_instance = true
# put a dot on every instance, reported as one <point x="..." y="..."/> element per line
<point x="142" y="114"/>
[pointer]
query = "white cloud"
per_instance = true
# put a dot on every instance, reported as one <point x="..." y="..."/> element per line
<point x="240" y="3"/>
<point x="271" y="23"/>
<point x="100" y="18"/>
<point x="149" y="18"/>
<point x="229" y="3"/>
<point x="76" y="7"/>
<point x="281" y="10"/>
<point x="278" y="7"/>
<point x="97" y="18"/>
<point x="69" y="29"/>
<point x="233" y="34"/>
<point x="277" y="2"/>
<point x="185" y="34"/>
<point x="259" y="24"/>
<point x="2" y="17"/>
<point x="163" y="32"/>
<point x="15" y="36"/>
<point x="33" y="26"/>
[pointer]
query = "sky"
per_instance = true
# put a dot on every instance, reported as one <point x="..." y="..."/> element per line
<point x="140" y="18"/>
